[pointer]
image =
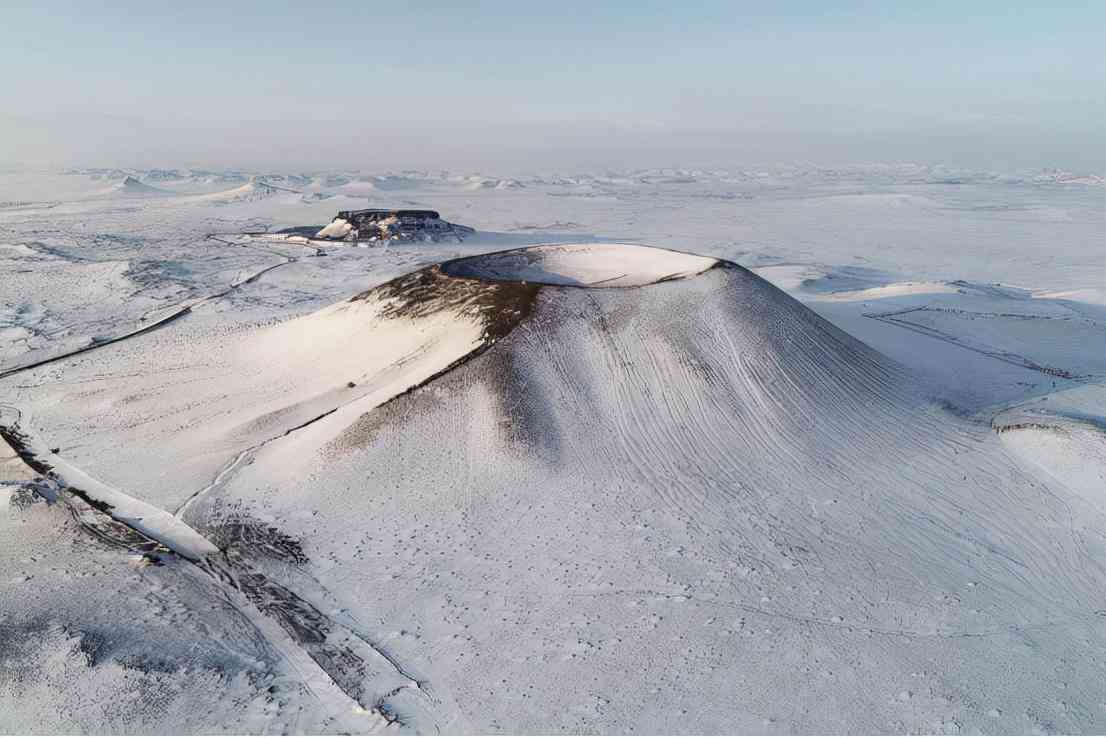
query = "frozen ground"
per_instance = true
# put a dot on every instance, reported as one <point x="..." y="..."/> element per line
<point x="255" y="484"/>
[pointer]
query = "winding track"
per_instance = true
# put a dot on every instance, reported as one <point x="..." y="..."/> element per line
<point x="180" y="312"/>
<point x="358" y="665"/>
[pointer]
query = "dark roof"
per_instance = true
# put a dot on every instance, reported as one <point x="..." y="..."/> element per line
<point x="379" y="213"/>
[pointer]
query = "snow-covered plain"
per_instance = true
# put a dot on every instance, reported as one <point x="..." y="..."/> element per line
<point x="579" y="473"/>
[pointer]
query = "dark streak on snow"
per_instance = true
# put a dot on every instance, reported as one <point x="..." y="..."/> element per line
<point x="1052" y="422"/>
<point x="328" y="645"/>
<point x="18" y="442"/>
<point x="92" y="515"/>
<point x="500" y="305"/>
<point x="239" y="533"/>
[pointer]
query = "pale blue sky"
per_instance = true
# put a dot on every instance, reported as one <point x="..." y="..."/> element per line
<point x="994" y="84"/>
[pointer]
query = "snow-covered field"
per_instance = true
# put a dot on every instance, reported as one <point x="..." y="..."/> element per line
<point x="792" y="450"/>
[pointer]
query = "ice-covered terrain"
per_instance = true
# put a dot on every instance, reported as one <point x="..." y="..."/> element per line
<point x="794" y="450"/>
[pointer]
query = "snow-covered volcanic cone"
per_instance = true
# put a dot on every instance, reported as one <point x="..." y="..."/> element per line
<point x="689" y="505"/>
<point x="254" y="190"/>
<point x="131" y="187"/>
<point x="609" y="488"/>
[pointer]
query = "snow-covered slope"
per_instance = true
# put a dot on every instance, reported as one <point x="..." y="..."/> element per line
<point x="131" y="187"/>
<point x="249" y="386"/>
<point x="1063" y="437"/>
<point x="337" y="229"/>
<point x="647" y="508"/>
<point x="255" y="189"/>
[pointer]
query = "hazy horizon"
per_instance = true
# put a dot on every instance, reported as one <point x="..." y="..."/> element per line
<point x="567" y="87"/>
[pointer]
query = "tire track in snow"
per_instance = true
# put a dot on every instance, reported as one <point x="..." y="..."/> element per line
<point x="895" y="318"/>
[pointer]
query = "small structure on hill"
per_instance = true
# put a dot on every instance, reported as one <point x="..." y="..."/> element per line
<point x="376" y="224"/>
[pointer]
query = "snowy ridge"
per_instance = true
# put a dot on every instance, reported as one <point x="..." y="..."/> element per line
<point x="254" y="190"/>
<point x="134" y="513"/>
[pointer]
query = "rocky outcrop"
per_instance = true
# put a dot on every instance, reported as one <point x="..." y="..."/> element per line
<point x="392" y="225"/>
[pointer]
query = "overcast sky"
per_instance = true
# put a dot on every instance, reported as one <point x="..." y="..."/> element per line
<point x="517" y="86"/>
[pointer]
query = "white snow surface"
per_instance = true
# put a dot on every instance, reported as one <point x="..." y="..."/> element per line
<point x="584" y="265"/>
<point x="564" y="482"/>
<point x="337" y="229"/>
